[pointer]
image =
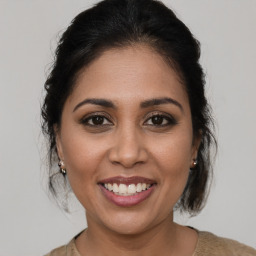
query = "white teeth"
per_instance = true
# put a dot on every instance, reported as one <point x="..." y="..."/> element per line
<point x="115" y="188"/>
<point x="122" y="189"/>
<point x="131" y="189"/>
<point x="110" y="187"/>
<point x="139" y="188"/>
<point x="127" y="190"/>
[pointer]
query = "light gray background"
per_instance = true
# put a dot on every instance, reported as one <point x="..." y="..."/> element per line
<point x="30" y="224"/>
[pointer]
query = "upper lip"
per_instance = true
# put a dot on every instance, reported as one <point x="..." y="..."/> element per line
<point x="127" y="180"/>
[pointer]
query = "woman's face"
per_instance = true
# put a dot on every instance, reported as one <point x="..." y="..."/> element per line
<point x="126" y="140"/>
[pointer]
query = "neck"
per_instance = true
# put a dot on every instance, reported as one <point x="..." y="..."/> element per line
<point x="99" y="240"/>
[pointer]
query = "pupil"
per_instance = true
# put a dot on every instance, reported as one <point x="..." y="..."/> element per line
<point x="97" y="120"/>
<point x="157" y="120"/>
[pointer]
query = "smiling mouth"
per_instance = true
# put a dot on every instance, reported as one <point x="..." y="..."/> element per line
<point x="127" y="190"/>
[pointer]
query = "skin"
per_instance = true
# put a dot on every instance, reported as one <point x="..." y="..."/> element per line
<point x="128" y="143"/>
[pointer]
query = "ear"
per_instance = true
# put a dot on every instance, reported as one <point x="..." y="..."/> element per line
<point x="196" y="144"/>
<point x="58" y="142"/>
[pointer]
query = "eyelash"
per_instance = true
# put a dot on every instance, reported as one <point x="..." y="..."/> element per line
<point x="167" y="118"/>
<point x="85" y="121"/>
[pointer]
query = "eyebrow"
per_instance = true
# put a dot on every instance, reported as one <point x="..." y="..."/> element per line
<point x="160" y="101"/>
<point x="99" y="102"/>
<point x="144" y="104"/>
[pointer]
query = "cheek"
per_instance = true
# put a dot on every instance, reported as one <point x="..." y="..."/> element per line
<point x="82" y="157"/>
<point x="173" y="158"/>
<point x="174" y="153"/>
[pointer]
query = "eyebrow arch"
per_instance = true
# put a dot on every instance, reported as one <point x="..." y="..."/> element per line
<point x="100" y="102"/>
<point x="144" y="104"/>
<point x="159" y="101"/>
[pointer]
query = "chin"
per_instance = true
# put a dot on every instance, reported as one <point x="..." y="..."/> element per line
<point x="131" y="223"/>
<point x="128" y="229"/>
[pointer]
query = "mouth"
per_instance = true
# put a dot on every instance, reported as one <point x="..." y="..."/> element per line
<point x="127" y="191"/>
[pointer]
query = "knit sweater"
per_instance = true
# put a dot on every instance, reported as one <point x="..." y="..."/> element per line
<point x="208" y="245"/>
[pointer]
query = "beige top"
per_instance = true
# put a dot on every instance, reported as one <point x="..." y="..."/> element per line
<point x="208" y="245"/>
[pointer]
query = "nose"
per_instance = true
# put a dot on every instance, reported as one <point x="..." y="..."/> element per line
<point x="128" y="148"/>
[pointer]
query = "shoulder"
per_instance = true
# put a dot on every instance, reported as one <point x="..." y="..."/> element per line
<point x="65" y="250"/>
<point x="210" y="244"/>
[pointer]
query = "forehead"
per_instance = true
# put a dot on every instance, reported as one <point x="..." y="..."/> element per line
<point x="129" y="73"/>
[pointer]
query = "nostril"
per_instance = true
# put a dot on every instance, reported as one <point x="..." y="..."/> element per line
<point x="127" y="156"/>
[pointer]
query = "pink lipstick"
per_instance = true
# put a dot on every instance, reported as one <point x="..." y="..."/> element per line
<point x="127" y="191"/>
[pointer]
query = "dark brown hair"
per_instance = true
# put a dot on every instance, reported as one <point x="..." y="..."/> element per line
<point x="119" y="23"/>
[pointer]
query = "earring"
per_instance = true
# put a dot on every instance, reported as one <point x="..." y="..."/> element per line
<point x="194" y="164"/>
<point x="62" y="168"/>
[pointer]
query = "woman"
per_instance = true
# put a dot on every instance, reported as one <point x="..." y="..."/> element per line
<point x="128" y="121"/>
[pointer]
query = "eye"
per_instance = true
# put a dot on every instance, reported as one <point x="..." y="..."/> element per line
<point x="160" y="120"/>
<point x="96" y="120"/>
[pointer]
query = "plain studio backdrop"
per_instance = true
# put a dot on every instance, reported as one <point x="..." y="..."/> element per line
<point x="31" y="224"/>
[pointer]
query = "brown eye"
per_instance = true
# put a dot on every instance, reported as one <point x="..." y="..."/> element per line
<point x="157" y="120"/>
<point x="160" y="120"/>
<point x="96" y="120"/>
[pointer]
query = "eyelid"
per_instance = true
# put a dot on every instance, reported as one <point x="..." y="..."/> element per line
<point x="158" y="113"/>
<point x="87" y="117"/>
<point x="170" y="119"/>
<point x="162" y="114"/>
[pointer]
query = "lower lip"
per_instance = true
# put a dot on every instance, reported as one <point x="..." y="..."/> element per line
<point x="127" y="201"/>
